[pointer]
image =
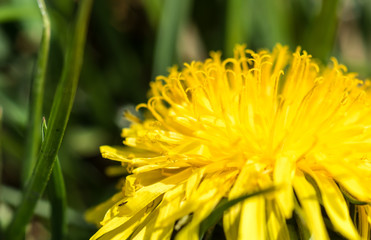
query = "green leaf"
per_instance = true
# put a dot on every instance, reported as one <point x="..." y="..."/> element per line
<point x="62" y="105"/>
<point x="36" y="99"/>
<point x="57" y="195"/>
<point x="224" y="204"/>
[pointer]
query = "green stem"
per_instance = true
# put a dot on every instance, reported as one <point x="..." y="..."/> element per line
<point x="36" y="98"/>
<point x="59" y="116"/>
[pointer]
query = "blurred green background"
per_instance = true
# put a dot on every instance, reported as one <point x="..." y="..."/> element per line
<point x="129" y="42"/>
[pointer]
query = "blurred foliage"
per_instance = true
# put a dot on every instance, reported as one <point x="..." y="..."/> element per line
<point x="128" y="44"/>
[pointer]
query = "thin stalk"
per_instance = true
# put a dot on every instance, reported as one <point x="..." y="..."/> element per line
<point x="36" y="98"/>
<point x="57" y="196"/>
<point x="61" y="109"/>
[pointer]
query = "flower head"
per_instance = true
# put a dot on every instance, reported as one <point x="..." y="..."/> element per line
<point x="224" y="129"/>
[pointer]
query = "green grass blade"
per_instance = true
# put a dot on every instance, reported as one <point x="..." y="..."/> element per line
<point x="217" y="214"/>
<point x="36" y="98"/>
<point x="59" y="116"/>
<point x="173" y="15"/>
<point x="57" y="196"/>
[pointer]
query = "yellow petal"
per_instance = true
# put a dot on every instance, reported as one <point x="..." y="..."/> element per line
<point x="207" y="203"/>
<point x="276" y="222"/>
<point x="213" y="186"/>
<point x="250" y="173"/>
<point x="335" y="205"/>
<point x="145" y="198"/>
<point x="191" y="231"/>
<point x="149" y="230"/>
<point x="283" y="177"/>
<point x="126" y="154"/>
<point x="146" y="195"/>
<point x="368" y="213"/>
<point x="154" y="228"/>
<point x="203" y="201"/>
<point x="312" y="211"/>
<point x="252" y="222"/>
<point x="193" y="182"/>
<point x="122" y="227"/>
<point x="170" y="205"/>
<point x="232" y="217"/>
<point x="351" y="179"/>
<point x="231" y="220"/>
<point x="96" y="214"/>
<point x="364" y="226"/>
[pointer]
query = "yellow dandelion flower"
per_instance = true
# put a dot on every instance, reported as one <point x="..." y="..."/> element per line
<point x="220" y="130"/>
